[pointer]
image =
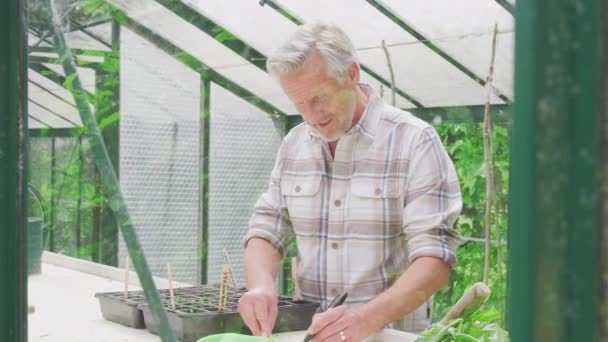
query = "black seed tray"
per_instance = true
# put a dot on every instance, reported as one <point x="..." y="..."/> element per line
<point x="115" y="308"/>
<point x="196" y="313"/>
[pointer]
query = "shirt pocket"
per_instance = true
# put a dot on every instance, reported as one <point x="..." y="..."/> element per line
<point x="302" y="198"/>
<point x="375" y="206"/>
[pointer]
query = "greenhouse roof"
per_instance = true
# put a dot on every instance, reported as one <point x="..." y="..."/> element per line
<point x="440" y="53"/>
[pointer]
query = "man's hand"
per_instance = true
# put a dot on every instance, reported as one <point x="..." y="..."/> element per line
<point x="259" y="308"/>
<point x="339" y="324"/>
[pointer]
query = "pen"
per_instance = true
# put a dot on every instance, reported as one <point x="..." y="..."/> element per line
<point x="337" y="301"/>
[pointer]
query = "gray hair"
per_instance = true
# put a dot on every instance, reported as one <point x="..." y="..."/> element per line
<point x="332" y="43"/>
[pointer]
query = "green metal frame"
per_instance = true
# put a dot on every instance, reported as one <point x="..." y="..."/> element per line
<point x="104" y="165"/>
<point x="52" y="60"/>
<point x="54" y="132"/>
<point x="205" y="141"/>
<point x="13" y="175"/>
<point x="553" y="216"/>
<point x="53" y="200"/>
<point x="501" y="115"/>
<point x="602" y="310"/>
<point x="108" y="112"/>
<point x="507" y="6"/>
<point x="92" y="35"/>
<point x="77" y="52"/>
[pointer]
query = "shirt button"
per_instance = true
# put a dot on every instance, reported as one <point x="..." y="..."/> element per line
<point x="333" y="292"/>
<point x="337" y="203"/>
<point x="378" y="191"/>
<point x="297" y="189"/>
<point x="334" y="245"/>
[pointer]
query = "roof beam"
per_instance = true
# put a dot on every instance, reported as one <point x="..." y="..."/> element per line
<point x="53" y="112"/>
<point x="37" y="120"/>
<point x="55" y="132"/>
<point x="507" y="6"/>
<point x="501" y="114"/>
<point x="54" y="60"/>
<point x="216" y="31"/>
<point x="42" y="37"/>
<point x="85" y="52"/>
<point x="91" y="23"/>
<point x="91" y="35"/>
<point x="191" y="61"/>
<point x="51" y="93"/>
<point x="382" y="8"/>
<point x="365" y="68"/>
<point x="52" y="75"/>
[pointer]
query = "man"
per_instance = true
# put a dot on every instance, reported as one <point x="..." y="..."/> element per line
<point x="367" y="190"/>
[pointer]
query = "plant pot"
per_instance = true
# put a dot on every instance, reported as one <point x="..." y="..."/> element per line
<point x="196" y="314"/>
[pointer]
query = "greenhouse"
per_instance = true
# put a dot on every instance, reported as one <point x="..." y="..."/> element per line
<point x="141" y="142"/>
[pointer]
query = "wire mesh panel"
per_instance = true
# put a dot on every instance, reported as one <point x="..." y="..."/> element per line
<point x="159" y="156"/>
<point x="244" y="143"/>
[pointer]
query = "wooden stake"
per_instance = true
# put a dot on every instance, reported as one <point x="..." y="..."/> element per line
<point x="221" y="306"/>
<point x="488" y="156"/>
<point x="498" y="252"/>
<point x="126" y="277"/>
<point x="390" y="69"/>
<point x="227" y="261"/>
<point x="171" y="294"/>
<point x="294" y="279"/>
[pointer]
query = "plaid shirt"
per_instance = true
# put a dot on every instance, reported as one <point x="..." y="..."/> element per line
<point x="389" y="196"/>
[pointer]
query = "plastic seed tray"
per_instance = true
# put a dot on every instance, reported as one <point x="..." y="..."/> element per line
<point x="115" y="308"/>
<point x="196" y="313"/>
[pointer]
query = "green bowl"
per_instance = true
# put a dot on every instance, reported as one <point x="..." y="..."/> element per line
<point x="231" y="337"/>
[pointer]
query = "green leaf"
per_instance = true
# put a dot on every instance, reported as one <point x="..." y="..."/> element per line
<point x="109" y="120"/>
<point x="224" y="36"/>
<point x="68" y="83"/>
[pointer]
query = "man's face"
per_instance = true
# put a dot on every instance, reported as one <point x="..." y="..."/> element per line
<point x="326" y="104"/>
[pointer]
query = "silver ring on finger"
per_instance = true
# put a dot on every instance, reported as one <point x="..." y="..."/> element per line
<point x="342" y="336"/>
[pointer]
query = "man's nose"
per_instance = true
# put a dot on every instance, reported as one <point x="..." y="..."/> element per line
<point x="315" y="112"/>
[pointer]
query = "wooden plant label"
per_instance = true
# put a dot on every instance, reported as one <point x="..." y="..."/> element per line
<point x="223" y="288"/>
<point x="227" y="261"/>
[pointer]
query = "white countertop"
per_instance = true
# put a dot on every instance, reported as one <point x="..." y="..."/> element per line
<point x="65" y="309"/>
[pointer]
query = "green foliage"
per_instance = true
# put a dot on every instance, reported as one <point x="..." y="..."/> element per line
<point x="480" y="326"/>
<point x="464" y="143"/>
<point x="76" y="198"/>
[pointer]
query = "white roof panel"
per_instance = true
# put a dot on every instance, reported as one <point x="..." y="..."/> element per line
<point x="203" y="47"/>
<point x="464" y="31"/>
<point x="419" y="71"/>
<point x="49" y="104"/>
<point x="270" y="28"/>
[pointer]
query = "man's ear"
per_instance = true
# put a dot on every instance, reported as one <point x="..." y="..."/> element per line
<point x="353" y="73"/>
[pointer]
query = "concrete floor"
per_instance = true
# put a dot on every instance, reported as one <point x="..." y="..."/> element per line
<point x="65" y="309"/>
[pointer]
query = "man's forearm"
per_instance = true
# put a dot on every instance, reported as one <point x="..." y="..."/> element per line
<point x="262" y="262"/>
<point x="424" y="277"/>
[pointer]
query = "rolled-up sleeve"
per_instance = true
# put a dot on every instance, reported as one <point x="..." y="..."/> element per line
<point x="270" y="219"/>
<point x="432" y="201"/>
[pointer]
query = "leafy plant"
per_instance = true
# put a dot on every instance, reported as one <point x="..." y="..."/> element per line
<point x="464" y="143"/>
<point x="479" y="326"/>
